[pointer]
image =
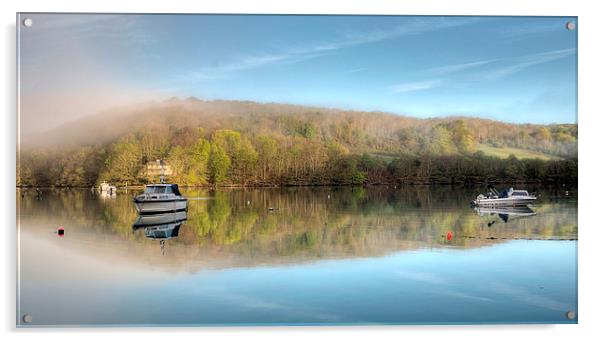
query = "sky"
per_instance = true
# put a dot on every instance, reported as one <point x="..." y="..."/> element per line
<point x="514" y="69"/>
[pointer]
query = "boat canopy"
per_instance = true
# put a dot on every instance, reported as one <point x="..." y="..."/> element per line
<point x="163" y="189"/>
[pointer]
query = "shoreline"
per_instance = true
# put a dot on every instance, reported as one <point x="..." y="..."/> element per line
<point x="395" y="185"/>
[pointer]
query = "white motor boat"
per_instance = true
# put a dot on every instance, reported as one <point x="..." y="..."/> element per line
<point x="507" y="198"/>
<point x="107" y="189"/>
<point x="160" y="198"/>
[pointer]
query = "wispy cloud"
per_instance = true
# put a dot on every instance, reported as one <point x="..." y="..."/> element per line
<point x="531" y="29"/>
<point x="492" y="69"/>
<point x="515" y="65"/>
<point x="350" y="71"/>
<point x="416" y="86"/>
<point x="247" y="63"/>
<point x="425" y="277"/>
<point x="529" y="297"/>
<point x="440" y="70"/>
<point x="413" y="26"/>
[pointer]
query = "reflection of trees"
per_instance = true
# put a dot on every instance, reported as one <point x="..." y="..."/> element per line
<point x="316" y="222"/>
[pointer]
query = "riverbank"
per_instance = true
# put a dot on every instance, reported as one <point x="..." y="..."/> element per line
<point x="506" y="183"/>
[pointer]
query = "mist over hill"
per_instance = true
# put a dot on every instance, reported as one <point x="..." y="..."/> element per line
<point x="250" y="143"/>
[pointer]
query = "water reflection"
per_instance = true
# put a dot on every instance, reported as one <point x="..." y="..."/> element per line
<point x="320" y="255"/>
<point x="161" y="227"/>
<point x="309" y="223"/>
<point x="505" y="213"/>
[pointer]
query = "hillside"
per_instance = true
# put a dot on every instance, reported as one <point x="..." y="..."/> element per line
<point x="249" y="143"/>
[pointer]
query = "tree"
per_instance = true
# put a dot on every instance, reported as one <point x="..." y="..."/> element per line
<point x="199" y="160"/>
<point x="219" y="164"/>
<point x="123" y="162"/>
<point x="514" y="168"/>
<point x="267" y="150"/>
<point x="240" y="151"/>
<point x="543" y="134"/>
<point x="462" y="136"/>
<point x="306" y="129"/>
<point x="441" y="142"/>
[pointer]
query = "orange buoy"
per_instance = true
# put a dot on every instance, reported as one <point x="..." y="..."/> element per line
<point x="449" y="235"/>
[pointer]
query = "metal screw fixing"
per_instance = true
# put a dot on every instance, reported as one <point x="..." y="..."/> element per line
<point x="570" y="25"/>
<point x="27" y="318"/>
<point x="27" y="22"/>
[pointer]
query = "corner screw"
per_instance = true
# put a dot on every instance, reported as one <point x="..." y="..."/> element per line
<point x="570" y="25"/>
<point x="27" y="318"/>
<point x="27" y="22"/>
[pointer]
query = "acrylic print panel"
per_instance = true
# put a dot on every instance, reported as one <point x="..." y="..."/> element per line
<point x="285" y="170"/>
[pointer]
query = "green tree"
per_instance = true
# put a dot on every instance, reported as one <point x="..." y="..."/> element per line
<point x="219" y="164"/>
<point x="514" y="168"/>
<point x="123" y="162"/>
<point x="267" y="152"/>
<point x="441" y="142"/>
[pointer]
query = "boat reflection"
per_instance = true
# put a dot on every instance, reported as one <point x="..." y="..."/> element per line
<point x="161" y="227"/>
<point x="504" y="213"/>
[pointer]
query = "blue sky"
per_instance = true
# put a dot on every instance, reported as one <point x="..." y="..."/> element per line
<point x="516" y="69"/>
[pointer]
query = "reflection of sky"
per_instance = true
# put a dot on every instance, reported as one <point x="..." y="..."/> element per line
<point x="517" y="281"/>
<point x="514" y="69"/>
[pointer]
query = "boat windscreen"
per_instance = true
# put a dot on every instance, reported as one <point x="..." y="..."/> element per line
<point x="175" y="189"/>
<point x="155" y="190"/>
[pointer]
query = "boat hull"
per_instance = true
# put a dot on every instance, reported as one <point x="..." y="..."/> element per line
<point x="161" y="206"/>
<point x="504" y="202"/>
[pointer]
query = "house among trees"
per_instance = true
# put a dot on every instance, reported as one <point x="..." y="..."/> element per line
<point x="152" y="171"/>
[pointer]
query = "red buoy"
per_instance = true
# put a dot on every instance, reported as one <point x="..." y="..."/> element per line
<point x="60" y="231"/>
<point x="449" y="235"/>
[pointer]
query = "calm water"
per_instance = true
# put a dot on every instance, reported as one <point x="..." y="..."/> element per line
<point x="298" y="256"/>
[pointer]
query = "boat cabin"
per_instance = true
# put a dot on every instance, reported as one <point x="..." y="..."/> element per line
<point x="162" y="189"/>
<point x="510" y="192"/>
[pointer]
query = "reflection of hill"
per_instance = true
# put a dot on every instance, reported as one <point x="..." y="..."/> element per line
<point x="237" y="227"/>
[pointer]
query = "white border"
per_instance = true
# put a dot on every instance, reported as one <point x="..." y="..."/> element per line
<point x="589" y="163"/>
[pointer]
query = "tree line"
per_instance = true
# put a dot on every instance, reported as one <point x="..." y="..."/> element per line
<point x="294" y="152"/>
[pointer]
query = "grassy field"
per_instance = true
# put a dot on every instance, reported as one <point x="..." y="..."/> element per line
<point x="504" y="152"/>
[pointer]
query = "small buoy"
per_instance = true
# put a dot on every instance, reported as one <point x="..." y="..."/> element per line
<point x="566" y="193"/>
<point x="328" y="196"/>
<point x="449" y="235"/>
<point x="248" y="202"/>
<point x="60" y="231"/>
<point x="270" y="209"/>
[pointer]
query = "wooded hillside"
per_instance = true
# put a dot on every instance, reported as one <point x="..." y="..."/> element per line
<point x="253" y="144"/>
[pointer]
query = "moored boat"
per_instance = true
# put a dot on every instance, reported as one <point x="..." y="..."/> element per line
<point x="160" y="198"/>
<point x="507" y="198"/>
<point x="107" y="188"/>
